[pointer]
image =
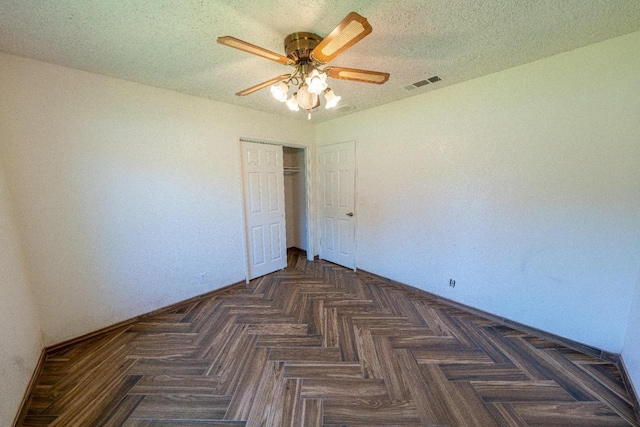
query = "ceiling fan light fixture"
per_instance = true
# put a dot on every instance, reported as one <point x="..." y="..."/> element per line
<point x="308" y="53"/>
<point x="279" y="91"/>
<point x="292" y="102"/>
<point x="316" y="81"/>
<point x="331" y="98"/>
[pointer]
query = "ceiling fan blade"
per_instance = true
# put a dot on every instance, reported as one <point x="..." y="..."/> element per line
<point x="349" y="31"/>
<point x="253" y="49"/>
<point x="364" y="76"/>
<point x="263" y="85"/>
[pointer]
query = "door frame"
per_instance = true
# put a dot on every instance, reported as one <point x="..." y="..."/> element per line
<point x="309" y="203"/>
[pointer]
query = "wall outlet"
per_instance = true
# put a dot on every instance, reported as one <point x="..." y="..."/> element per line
<point x="203" y="278"/>
<point x="452" y="283"/>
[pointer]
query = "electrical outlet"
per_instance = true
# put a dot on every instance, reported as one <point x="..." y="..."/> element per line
<point x="203" y="278"/>
<point x="452" y="283"/>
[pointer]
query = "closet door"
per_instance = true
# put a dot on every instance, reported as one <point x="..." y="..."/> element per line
<point x="263" y="177"/>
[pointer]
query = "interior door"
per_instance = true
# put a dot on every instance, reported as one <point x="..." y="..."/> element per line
<point x="337" y="201"/>
<point x="263" y="175"/>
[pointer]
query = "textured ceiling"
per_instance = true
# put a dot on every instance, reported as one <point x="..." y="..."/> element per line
<point x="172" y="43"/>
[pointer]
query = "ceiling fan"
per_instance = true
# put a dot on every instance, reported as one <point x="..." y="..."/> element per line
<point x="307" y="53"/>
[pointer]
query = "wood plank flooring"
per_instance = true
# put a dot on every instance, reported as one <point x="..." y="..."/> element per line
<point x="319" y="345"/>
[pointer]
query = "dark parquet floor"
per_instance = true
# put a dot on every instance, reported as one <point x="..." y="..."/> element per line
<point x="319" y="345"/>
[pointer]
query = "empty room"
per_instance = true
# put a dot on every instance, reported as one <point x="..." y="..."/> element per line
<point x="401" y="213"/>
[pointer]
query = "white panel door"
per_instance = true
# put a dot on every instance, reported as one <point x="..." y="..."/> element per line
<point x="336" y="199"/>
<point x="263" y="175"/>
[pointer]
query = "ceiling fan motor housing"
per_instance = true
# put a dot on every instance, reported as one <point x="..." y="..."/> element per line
<point x="298" y="46"/>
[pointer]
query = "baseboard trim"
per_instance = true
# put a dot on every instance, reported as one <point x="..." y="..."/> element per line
<point x="229" y="289"/>
<point x="574" y="345"/>
<point x="613" y="358"/>
<point x="630" y="388"/>
<point x="125" y="323"/>
<point x="22" y="413"/>
<point x="26" y="399"/>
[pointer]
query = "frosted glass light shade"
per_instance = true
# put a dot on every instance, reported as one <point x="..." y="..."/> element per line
<point x="316" y="81"/>
<point x="306" y="99"/>
<point x="331" y="98"/>
<point x="292" y="103"/>
<point x="279" y="91"/>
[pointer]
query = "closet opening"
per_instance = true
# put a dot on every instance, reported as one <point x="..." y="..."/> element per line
<point x="276" y="184"/>
<point x="295" y="199"/>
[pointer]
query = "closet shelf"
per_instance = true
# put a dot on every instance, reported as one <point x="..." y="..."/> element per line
<point x="291" y="169"/>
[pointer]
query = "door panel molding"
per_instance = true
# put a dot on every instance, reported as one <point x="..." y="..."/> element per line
<point x="309" y="153"/>
<point x="336" y="203"/>
<point x="263" y="183"/>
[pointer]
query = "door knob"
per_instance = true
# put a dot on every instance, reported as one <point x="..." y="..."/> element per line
<point x="350" y="214"/>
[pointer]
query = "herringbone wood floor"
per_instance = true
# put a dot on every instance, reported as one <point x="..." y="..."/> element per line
<point x="317" y="344"/>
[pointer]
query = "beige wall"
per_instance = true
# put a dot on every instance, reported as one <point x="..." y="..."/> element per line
<point x="126" y="194"/>
<point x="20" y="343"/>
<point x="523" y="186"/>
<point x="631" y="348"/>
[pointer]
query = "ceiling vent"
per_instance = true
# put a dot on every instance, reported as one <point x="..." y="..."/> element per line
<point x="423" y="83"/>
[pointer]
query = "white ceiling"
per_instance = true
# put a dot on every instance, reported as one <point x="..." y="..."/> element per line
<point x="172" y="43"/>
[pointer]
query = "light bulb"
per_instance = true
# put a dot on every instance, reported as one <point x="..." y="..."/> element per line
<point x="292" y="103"/>
<point x="279" y="91"/>
<point x="316" y="81"/>
<point x="332" y="99"/>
